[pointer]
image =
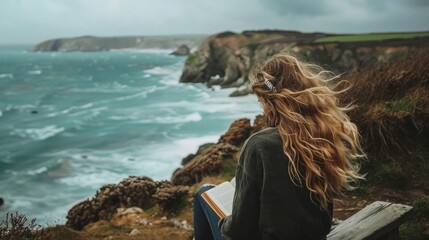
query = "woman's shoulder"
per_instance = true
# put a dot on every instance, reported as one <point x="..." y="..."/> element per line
<point x="262" y="139"/>
<point x="266" y="135"/>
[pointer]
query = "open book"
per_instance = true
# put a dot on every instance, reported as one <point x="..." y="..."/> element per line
<point x="220" y="198"/>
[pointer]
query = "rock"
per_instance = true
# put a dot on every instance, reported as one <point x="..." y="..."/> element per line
<point x="183" y="50"/>
<point x="82" y="214"/>
<point x="237" y="133"/>
<point x="144" y="221"/>
<point x="132" y="210"/>
<point x="127" y="199"/>
<point x="259" y="123"/>
<point x="207" y="163"/>
<point x="1" y="201"/>
<point x="164" y="218"/>
<point x="176" y="223"/>
<point x="199" y="151"/>
<point x="119" y="211"/>
<point x="130" y="192"/>
<point x="135" y="232"/>
<point x="239" y="93"/>
<point x="186" y="226"/>
<point x="210" y="160"/>
<point x="157" y="222"/>
<point x="168" y="198"/>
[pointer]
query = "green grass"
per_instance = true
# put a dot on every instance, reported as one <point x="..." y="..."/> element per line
<point x="371" y="37"/>
<point x="194" y="59"/>
<point x="417" y="228"/>
<point x="228" y="169"/>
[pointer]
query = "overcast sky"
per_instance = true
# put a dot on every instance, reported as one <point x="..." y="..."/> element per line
<point x="33" y="21"/>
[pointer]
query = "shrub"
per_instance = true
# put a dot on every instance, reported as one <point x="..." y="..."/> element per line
<point x="17" y="227"/>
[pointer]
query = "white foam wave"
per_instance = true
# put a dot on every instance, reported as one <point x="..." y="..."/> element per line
<point x="163" y="51"/>
<point x="6" y="75"/>
<point x="195" y="142"/>
<point x="119" y="85"/>
<point x="74" y="108"/>
<point x="142" y="94"/>
<point x="147" y="75"/>
<point x="93" y="178"/>
<point x="19" y="203"/>
<point x="169" y="81"/>
<point x="209" y="106"/>
<point x="38" y="133"/>
<point x="160" y="71"/>
<point x="20" y="108"/>
<point x="37" y="171"/>
<point x="1" y="113"/>
<point x="120" y="118"/>
<point x="35" y="72"/>
<point x="193" y="117"/>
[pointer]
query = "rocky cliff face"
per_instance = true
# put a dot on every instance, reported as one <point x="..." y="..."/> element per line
<point x="225" y="59"/>
<point x="90" y="43"/>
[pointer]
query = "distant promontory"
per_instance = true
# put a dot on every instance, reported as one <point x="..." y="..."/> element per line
<point x="93" y="44"/>
<point x="226" y="58"/>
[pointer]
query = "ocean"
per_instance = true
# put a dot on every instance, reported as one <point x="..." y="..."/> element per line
<point x="72" y="122"/>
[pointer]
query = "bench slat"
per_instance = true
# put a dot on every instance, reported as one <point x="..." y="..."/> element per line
<point x="373" y="222"/>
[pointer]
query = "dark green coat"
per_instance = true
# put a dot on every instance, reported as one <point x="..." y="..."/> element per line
<point x="267" y="205"/>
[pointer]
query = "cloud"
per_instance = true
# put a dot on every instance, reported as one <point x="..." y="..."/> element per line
<point x="297" y="8"/>
<point x="29" y="21"/>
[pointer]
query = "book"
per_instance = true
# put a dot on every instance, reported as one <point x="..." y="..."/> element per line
<point x="220" y="198"/>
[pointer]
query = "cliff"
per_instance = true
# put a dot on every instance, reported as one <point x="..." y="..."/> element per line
<point x="91" y="43"/>
<point x="225" y="59"/>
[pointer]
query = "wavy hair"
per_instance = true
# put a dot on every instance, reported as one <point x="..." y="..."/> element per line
<point x="318" y="137"/>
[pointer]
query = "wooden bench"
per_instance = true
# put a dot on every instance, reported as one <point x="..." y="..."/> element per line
<point x="379" y="220"/>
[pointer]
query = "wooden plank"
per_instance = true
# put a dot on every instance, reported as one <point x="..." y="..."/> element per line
<point x="373" y="222"/>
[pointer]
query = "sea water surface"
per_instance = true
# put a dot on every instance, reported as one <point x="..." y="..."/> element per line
<point x="72" y="122"/>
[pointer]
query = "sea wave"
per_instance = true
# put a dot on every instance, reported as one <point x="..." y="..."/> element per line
<point x="38" y="133"/>
<point x="163" y="51"/>
<point x="169" y="81"/>
<point x="37" y="171"/>
<point x="92" y="178"/>
<point x="35" y="72"/>
<point x="72" y="109"/>
<point x="6" y="75"/>
<point x="160" y="71"/>
<point x="195" y="142"/>
<point x="121" y="118"/>
<point x="192" y="117"/>
<point x="142" y="94"/>
<point x="204" y="106"/>
<point x="20" y="108"/>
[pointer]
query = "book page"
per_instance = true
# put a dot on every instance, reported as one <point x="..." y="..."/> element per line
<point x="222" y="195"/>
<point x="232" y="182"/>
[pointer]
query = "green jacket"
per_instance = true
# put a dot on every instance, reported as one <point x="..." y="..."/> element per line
<point x="267" y="205"/>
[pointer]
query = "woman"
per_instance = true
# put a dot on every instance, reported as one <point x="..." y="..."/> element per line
<point x="288" y="174"/>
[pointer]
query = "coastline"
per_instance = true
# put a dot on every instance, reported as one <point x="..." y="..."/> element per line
<point x="70" y="168"/>
<point x="163" y="209"/>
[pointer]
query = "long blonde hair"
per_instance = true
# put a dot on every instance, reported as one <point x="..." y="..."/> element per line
<point x="318" y="137"/>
